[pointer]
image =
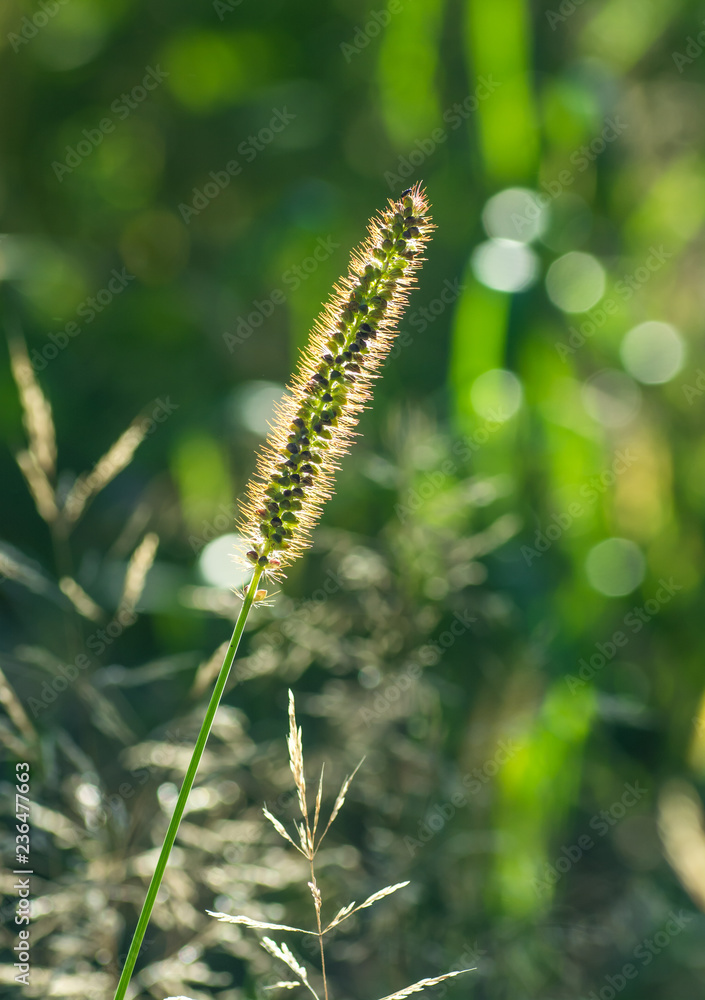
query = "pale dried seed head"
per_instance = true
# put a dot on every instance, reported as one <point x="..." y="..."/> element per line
<point x="340" y="801"/>
<point x="316" y="893"/>
<point x="285" y="955"/>
<point x="680" y="825"/>
<point x="13" y="706"/>
<point x="36" y="408"/>
<point x="280" y="828"/>
<point x="423" y="983"/>
<point x="319" y="799"/>
<point x="39" y="486"/>
<point x="314" y="425"/>
<point x="82" y="602"/>
<point x="138" y="567"/>
<point x="264" y="925"/>
<point x="347" y="911"/>
<point x="296" y="757"/>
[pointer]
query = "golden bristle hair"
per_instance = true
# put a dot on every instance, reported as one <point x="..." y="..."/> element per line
<point x="313" y="426"/>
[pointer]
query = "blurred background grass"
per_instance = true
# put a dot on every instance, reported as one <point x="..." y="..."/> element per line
<point x="502" y="608"/>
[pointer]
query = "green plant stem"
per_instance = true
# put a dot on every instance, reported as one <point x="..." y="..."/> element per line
<point x="186" y="789"/>
<point x="320" y="932"/>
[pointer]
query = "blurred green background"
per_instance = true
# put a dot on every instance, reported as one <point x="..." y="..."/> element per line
<point x="503" y="606"/>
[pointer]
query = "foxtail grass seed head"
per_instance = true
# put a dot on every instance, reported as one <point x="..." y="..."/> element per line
<point x="314" y="424"/>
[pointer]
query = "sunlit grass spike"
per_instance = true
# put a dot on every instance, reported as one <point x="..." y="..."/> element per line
<point x="314" y="425"/>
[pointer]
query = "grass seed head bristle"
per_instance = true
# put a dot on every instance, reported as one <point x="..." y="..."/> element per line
<point x="314" y="425"/>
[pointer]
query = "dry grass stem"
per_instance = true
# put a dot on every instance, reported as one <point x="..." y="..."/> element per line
<point x="681" y="825"/>
<point x="82" y="602"/>
<point x="140" y="563"/>
<point x="39" y="486"/>
<point x="37" y="416"/>
<point x="14" y="709"/>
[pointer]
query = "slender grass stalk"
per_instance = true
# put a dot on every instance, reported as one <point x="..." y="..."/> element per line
<point x="186" y="787"/>
<point x="294" y="474"/>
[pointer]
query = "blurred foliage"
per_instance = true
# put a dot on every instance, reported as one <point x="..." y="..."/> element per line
<point x="501" y="609"/>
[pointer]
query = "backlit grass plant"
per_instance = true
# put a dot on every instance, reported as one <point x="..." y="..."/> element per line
<point x="313" y="428"/>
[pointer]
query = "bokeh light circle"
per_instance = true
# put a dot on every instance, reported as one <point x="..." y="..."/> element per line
<point x="515" y="214"/>
<point x="496" y="394"/>
<point x="575" y="282"/>
<point x="254" y="405"/>
<point x="653" y="352"/>
<point x="218" y="565"/>
<point x="505" y="265"/>
<point x="615" y="567"/>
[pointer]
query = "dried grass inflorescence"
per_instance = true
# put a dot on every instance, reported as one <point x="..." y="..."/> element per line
<point x="309" y="843"/>
<point x="348" y="344"/>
